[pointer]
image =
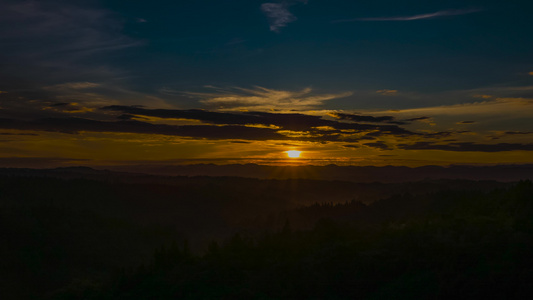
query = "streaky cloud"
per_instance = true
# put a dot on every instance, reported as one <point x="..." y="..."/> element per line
<point x="442" y="13"/>
<point x="76" y="125"/>
<point x="418" y="119"/>
<point x="285" y="121"/>
<point x="50" y="29"/>
<point x="278" y="14"/>
<point x="379" y="145"/>
<point x="362" y="118"/>
<point x="467" y="147"/>
<point x="260" y="98"/>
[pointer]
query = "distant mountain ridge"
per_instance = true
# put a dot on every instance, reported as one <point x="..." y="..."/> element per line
<point x="503" y="173"/>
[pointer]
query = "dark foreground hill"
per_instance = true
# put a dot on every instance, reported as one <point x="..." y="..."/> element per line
<point x="456" y="246"/>
<point x="124" y="236"/>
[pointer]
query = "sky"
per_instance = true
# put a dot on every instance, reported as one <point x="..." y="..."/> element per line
<point x="406" y="83"/>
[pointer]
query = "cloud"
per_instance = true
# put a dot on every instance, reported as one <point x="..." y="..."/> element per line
<point x="380" y="119"/>
<point x="66" y="45"/>
<point x="387" y="92"/>
<point x="26" y="134"/>
<point x="220" y="126"/>
<point x="278" y="14"/>
<point x="442" y="13"/>
<point x="248" y="126"/>
<point x="515" y="106"/>
<point x="72" y="125"/>
<point x="70" y="108"/>
<point x="76" y="125"/>
<point x="45" y="28"/>
<point x="418" y="119"/>
<point x="502" y="108"/>
<point x="361" y="118"/>
<point x="74" y="86"/>
<point x="260" y="98"/>
<point x="518" y="132"/>
<point x="467" y="146"/>
<point x="379" y="145"/>
<point x="504" y="134"/>
<point x="482" y="96"/>
<point x="283" y="121"/>
<point x="39" y="162"/>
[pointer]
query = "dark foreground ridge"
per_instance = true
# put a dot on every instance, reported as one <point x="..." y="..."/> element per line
<point x="88" y="234"/>
<point x="459" y="246"/>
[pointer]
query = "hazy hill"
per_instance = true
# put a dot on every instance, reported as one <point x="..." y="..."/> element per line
<point x="505" y="173"/>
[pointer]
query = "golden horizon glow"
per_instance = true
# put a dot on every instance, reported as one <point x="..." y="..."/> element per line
<point x="294" y="153"/>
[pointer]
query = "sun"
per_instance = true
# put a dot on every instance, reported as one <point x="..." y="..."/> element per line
<point x="294" y="153"/>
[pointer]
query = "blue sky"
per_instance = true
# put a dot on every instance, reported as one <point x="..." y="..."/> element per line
<point x="464" y="65"/>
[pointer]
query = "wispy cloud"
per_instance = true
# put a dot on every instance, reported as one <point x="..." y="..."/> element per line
<point x="442" y="13"/>
<point x="74" y="85"/>
<point x="467" y="147"/>
<point x="387" y="92"/>
<point x="278" y="14"/>
<point x="361" y="118"/>
<point x="38" y="28"/>
<point x="512" y="107"/>
<point x="260" y="98"/>
<point x="66" y="45"/>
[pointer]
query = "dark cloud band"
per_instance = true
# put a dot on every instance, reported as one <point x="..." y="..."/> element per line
<point x="467" y="146"/>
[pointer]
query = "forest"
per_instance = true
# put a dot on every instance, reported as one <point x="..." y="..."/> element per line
<point x="163" y="237"/>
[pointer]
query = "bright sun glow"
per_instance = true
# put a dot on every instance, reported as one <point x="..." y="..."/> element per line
<point x="294" y="153"/>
